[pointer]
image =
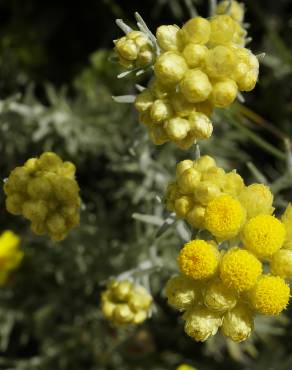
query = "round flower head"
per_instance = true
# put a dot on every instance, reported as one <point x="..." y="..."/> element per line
<point x="201" y="323"/>
<point x="224" y="93"/>
<point x="182" y="292"/>
<point x="220" y="62"/>
<point x="183" y="205"/>
<point x="195" y="54"/>
<point x="256" y="199"/>
<point x="200" y="125"/>
<point x="239" y="269"/>
<point x="204" y="163"/>
<point x="238" y="323"/>
<point x="281" y="264"/>
<point x="195" y="86"/>
<point x="198" y="259"/>
<point x="196" y="216"/>
<point x="223" y="29"/>
<point x="188" y="180"/>
<point x="218" y="297"/>
<point x="263" y="235"/>
<point x="270" y="295"/>
<point x="224" y="217"/>
<point x="287" y="221"/>
<point x="10" y="254"/>
<point x="182" y="166"/>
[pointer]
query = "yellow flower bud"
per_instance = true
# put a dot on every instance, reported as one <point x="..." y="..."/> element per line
<point x="14" y="203"/>
<point x="233" y="184"/>
<point x="170" y="68"/>
<point x="189" y="180"/>
<point x="144" y="101"/>
<point x="122" y="290"/>
<point x="182" y="292"/>
<point x="182" y="107"/>
<point x="140" y="317"/>
<point x="281" y="264"/>
<point x="196" y="30"/>
<point x="168" y="37"/>
<point x="236" y="10"/>
<point x="204" y="163"/>
<point x="158" y="135"/>
<point x="49" y="161"/>
<point x="256" y="199"/>
<point x="223" y="28"/>
<point x="215" y="175"/>
<point x="238" y="323"/>
<point x="56" y="225"/>
<point x="220" y="62"/>
<point x="122" y="314"/>
<point x="17" y="181"/>
<point x="160" y="110"/>
<point x="201" y="323"/>
<point x="196" y="216"/>
<point x="108" y="308"/>
<point x="159" y="90"/>
<point x="195" y="54"/>
<point x="177" y="128"/>
<point x="206" y="191"/>
<point x="201" y="126"/>
<point x="187" y="142"/>
<point x="10" y="254"/>
<point x="218" y="297"/>
<point x="287" y="222"/>
<point x="183" y="205"/>
<point x="34" y="210"/>
<point x="182" y="166"/>
<point x="224" y="93"/>
<point x="195" y="86"/>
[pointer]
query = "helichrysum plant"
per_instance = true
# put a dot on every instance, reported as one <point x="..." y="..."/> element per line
<point x="125" y="303"/>
<point x="242" y="266"/>
<point x="44" y="190"/>
<point x="197" y="67"/>
<point x="10" y="254"/>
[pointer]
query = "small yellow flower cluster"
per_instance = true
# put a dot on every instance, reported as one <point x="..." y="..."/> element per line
<point x="45" y="192"/>
<point x="134" y="50"/>
<point x="201" y="66"/>
<point x="125" y="303"/>
<point x="225" y="288"/>
<point x="209" y="198"/>
<point x="10" y="254"/>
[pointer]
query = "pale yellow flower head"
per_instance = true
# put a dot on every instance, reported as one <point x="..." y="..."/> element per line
<point x="182" y="292"/>
<point x="218" y="297"/>
<point x="238" y="323"/>
<point x="287" y="221"/>
<point x="256" y="199"/>
<point x="281" y="264"/>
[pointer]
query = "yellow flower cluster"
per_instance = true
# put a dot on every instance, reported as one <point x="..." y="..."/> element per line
<point x="201" y="66"/>
<point x="125" y="303"/>
<point x="10" y="254"/>
<point x="209" y="198"/>
<point x="45" y="192"/>
<point x="225" y="286"/>
<point x="134" y="50"/>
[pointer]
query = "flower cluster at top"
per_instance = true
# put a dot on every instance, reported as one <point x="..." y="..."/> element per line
<point x="45" y="192"/>
<point x="124" y="303"/>
<point x="199" y="67"/>
<point x="10" y="254"/>
<point x="243" y="265"/>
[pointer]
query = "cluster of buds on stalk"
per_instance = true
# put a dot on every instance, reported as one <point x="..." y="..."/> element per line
<point x="44" y="190"/>
<point x="124" y="303"/>
<point x="243" y="265"/>
<point x="198" y="67"/>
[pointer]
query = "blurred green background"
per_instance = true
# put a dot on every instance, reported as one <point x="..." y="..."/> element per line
<point x="56" y="87"/>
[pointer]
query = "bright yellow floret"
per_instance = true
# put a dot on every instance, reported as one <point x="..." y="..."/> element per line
<point x="10" y="255"/>
<point x="239" y="269"/>
<point x="224" y="217"/>
<point x="270" y="296"/>
<point x="263" y="235"/>
<point x="198" y="259"/>
<point x="287" y="221"/>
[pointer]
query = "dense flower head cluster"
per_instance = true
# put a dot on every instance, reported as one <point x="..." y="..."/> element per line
<point x="134" y="50"/>
<point x="247" y="272"/>
<point x="198" y="67"/>
<point x="10" y="254"/>
<point x="124" y="303"/>
<point x="44" y="190"/>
